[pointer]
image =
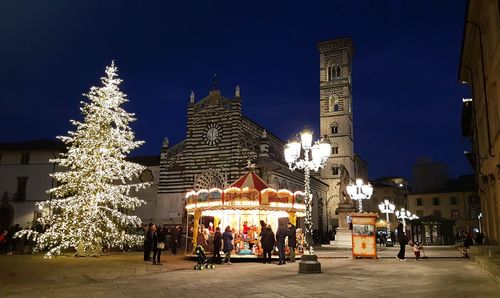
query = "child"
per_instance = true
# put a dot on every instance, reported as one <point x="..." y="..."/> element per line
<point x="416" y="250"/>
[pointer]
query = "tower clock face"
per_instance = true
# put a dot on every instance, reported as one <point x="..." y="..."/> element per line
<point x="212" y="134"/>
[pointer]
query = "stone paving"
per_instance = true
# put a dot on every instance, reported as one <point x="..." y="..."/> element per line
<point x="443" y="274"/>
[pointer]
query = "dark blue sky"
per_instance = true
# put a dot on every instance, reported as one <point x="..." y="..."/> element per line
<point x="407" y="99"/>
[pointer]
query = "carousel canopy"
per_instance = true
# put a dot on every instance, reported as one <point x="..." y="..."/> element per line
<point x="250" y="180"/>
<point x="249" y="192"/>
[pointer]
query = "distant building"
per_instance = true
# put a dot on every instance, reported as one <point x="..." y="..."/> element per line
<point x="24" y="179"/>
<point x="149" y="212"/>
<point x="454" y="203"/>
<point x="479" y="68"/>
<point x="429" y="175"/>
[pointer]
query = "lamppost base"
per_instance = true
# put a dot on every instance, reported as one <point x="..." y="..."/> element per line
<point x="309" y="264"/>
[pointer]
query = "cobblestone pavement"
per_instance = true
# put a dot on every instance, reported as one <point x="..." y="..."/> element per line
<point x="443" y="274"/>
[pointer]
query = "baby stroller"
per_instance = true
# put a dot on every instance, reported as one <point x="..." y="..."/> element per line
<point x="202" y="261"/>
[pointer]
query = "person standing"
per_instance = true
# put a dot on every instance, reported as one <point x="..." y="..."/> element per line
<point x="292" y="240"/>
<point x="156" y="244"/>
<point x="217" y="245"/>
<point x="262" y="226"/>
<point x="281" y="235"/>
<point x="402" y="242"/>
<point x="174" y="239"/>
<point x="267" y="241"/>
<point x="148" y="240"/>
<point x="467" y="244"/>
<point x="227" y="239"/>
<point x="4" y="243"/>
<point x="179" y="235"/>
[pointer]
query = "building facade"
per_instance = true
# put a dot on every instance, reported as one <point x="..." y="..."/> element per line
<point x="429" y="175"/>
<point x="480" y="69"/>
<point x="150" y="211"/>
<point x="336" y="117"/>
<point x="456" y="205"/>
<point x="25" y="170"/>
<point x="220" y="143"/>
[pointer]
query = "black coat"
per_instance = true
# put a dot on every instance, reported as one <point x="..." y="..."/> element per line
<point x="174" y="235"/>
<point x="154" y="241"/>
<point x="281" y="235"/>
<point x="148" y="240"/>
<point x="401" y="235"/>
<point x="227" y="237"/>
<point x="217" y="241"/>
<point x="292" y="236"/>
<point x="267" y="239"/>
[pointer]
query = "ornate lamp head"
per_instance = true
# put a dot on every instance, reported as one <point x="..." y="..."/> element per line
<point x="306" y="138"/>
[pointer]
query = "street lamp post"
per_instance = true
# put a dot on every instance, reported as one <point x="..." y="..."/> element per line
<point x="319" y="152"/>
<point x="403" y="214"/>
<point x="479" y="218"/>
<point x="360" y="192"/>
<point x="387" y="207"/>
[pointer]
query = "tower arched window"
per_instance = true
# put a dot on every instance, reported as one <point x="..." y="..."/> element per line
<point x="331" y="72"/>
<point x="336" y="106"/>
<point x="339" y="71"/>
<point x="335" y="128"/>
<point x="335" y="170"/>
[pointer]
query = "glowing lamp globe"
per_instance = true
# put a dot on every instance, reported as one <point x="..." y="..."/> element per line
<point x="289" y="153"/>
<point x="367" y="190"/>
<point x="316" y="154"/>
<point x="295" y="145"/>
<point x="306" y="136"/>
<point x="326" y="149"/>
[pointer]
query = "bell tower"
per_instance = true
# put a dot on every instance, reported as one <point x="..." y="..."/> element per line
<point x="336" y="117"/>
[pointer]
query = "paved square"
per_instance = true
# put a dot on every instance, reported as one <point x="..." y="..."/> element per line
<point x="444" y="274"/>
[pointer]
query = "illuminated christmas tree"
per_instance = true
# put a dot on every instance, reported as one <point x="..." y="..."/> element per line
<point x="93" y="193"/>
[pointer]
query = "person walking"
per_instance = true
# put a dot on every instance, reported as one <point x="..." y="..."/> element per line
<point x="267" y="241"/>
<point x="227" y="239"/>
<point x="402" y="242"/>
<point x="217" y="245"/>
<point x="281" y="235"/>
<point x="174" y="239"/>
<point x="148" y="240"/>
<point x="292" y="240"/>
<point x="158" y="245"/>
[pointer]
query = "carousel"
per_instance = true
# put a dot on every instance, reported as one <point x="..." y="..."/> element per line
<point x="242" y="206"/>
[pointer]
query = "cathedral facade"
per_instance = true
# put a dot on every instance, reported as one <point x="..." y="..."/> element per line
<point x="220" y="143"/>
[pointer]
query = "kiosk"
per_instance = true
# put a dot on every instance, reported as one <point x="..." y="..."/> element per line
<point x="364" y="235"/>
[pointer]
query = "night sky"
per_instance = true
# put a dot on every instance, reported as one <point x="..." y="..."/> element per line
<point x="407" y="98"/>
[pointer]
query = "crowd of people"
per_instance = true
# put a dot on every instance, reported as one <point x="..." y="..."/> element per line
<point x="283" y="241"/>
<point x="156" y="240"/>
<point x="9" y="244"/>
